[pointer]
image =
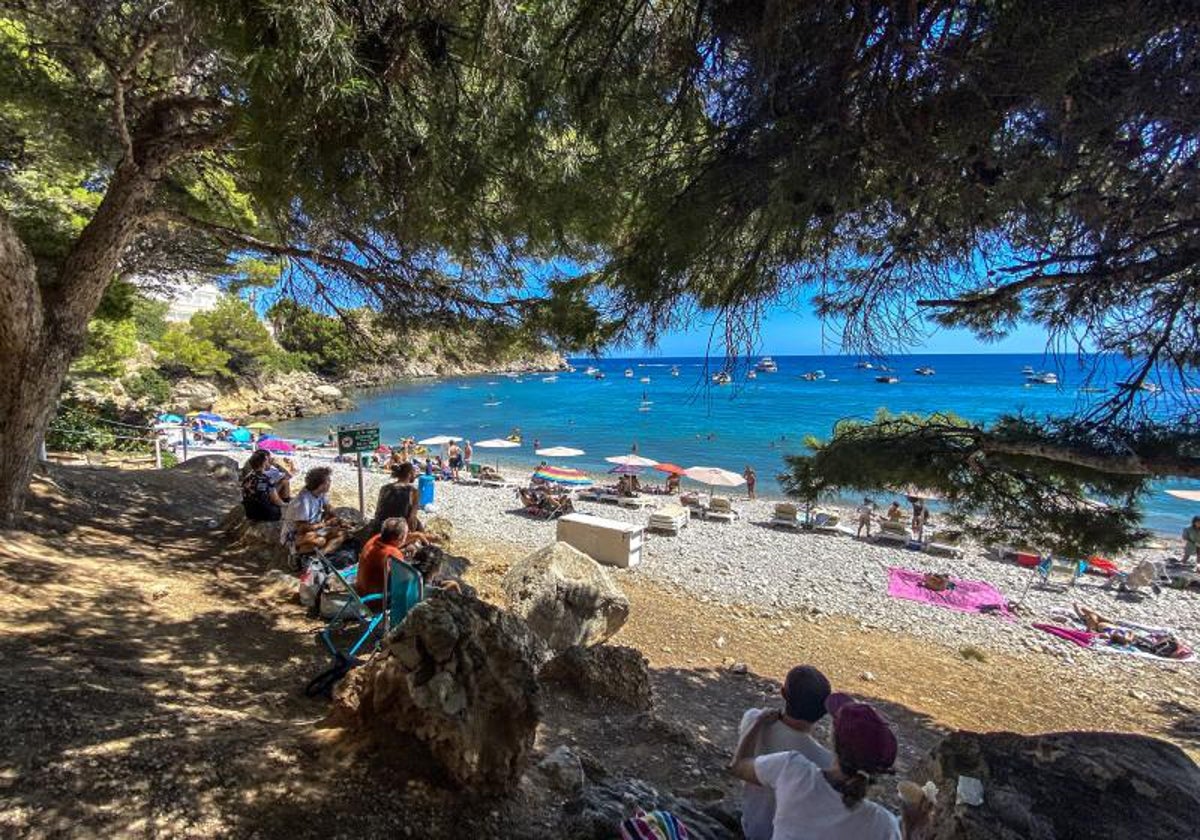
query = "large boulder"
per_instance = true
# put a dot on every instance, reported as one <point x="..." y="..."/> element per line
<point x="458" y="675"/>
<point x="609" y="672"/>
<point x="194" y="394"/>
<point x="567" y="597"/>
<point x="1065" y="785"/>
<point x="259" y="539"/>
<point x="597" y="812"/>
<point x="220" y="468"/>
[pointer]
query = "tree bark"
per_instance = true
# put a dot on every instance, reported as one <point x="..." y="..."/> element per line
<point x="44" y="325"/>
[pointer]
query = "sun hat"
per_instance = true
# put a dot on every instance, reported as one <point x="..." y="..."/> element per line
<point x="862" y="735"/>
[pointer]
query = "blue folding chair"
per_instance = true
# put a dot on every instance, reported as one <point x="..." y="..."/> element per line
<point x="405" y="589"/>
<point x="356" y="608"/>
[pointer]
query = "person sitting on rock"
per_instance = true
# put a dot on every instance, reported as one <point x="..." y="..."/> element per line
<point x="260" y="495"/>
<point x="804" y="691"/>
<point x="280" y="472"/>
<point x="308" y="523"/>
<point x="831" y="803"/>
<point x="388" y="544"/>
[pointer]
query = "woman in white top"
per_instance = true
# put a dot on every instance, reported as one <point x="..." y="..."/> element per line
<point x="830" y="804"/>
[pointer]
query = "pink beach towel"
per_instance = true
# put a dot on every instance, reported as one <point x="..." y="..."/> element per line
<point x="970" y="596"/>
<point x="1080" y="637"/>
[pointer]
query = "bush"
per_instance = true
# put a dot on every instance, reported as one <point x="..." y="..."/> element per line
<point x="233" y="328"/>
<point x="148" y="385"/>
<point x="322" y="343"/>
<point x="180" y="353"/>
<point x="110" y="344"/>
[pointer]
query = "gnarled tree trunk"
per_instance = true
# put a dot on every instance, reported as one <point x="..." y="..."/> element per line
<point x="43" y="324"/>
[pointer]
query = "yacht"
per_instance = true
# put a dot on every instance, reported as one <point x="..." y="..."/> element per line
<point x="722" y="378"/>
<point x="1042" y="378"/>
<point x="674" y="370"/>
<point x="887" y="380"/>
<point x="629" y="373"/>
<point x="924" y="371"/>
<point x="813" y="375"/>
<point x="767" y="365"/>
<point x="1028" y="370"/>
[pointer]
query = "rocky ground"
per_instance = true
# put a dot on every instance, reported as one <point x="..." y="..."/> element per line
<point x="152" y="681"/>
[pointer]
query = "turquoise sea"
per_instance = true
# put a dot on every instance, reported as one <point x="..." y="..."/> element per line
<point x="688" y="421"/>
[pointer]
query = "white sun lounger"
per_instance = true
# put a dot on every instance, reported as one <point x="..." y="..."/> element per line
<point x="720" y="508"/>
<point x="786" y="516"/>
<point x="670" y="519"/>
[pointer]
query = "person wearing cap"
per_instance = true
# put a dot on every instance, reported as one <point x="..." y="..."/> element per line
<point x="830" y="804"/>
<point x="804" y="691"/>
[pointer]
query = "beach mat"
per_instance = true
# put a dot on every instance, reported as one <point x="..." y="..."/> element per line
<point x="1095" y="641"/>
<point x="969" y="596"/>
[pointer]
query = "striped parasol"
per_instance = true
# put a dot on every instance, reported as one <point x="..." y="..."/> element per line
<point x="562" y="475"/>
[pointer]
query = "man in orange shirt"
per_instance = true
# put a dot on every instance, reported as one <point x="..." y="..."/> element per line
<point x="389" y="543"/>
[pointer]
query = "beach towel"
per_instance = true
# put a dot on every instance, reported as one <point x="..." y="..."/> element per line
<point x="1099" y="641"/>
<point x="969" y="596"/>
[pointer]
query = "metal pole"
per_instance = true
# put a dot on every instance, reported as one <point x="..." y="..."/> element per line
<point x="157" y="452"/>
<point x="184" y="436"/>
<point x="361" y="507"/>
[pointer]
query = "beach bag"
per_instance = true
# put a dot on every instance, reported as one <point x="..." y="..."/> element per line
<point x="312" y="581"/>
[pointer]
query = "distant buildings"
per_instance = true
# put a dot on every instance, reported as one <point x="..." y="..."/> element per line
<point x="186" y="298"/>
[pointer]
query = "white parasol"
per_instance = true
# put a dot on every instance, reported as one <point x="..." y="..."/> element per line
<point x="631" y="460"/>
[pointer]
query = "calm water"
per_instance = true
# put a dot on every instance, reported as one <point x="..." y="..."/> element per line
<point x="749" y="422"/>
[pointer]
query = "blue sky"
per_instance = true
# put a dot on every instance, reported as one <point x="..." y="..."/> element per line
<point x="787" y="332"/>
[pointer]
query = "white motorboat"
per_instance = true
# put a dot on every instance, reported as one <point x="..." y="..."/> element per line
<point x="887" y="380"/>
<point x="674" y="370"/>
<point x="644" y="379"/>
<point x="629" y="373"/>
<point x="752" y="375"/>
<point x="924" y="371"/>
<point x="722" y="378"/>
<point x="591" y="371"/>
<point x="1044" y="377"/>
<point x="767" y="365"/>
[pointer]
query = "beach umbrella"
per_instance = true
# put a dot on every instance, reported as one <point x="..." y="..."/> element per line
<point x="240" y="436"/>
<point x="208" y="416"/>
<point x="558" y="452"/>
<point x="170" y="418"/>
<point x="672" y="469"/>
<point x="1186" y="495"/>
<point x="714" y="476"/>
<point x="437" y="440"/>
<point x="631" y="460"/>
<point x="562" y="475"/>
<point x="497" y="443"/>
<point x="222" y="425"/>
<point x="625" y="469"/>
<point x="259" y="426"/>
<point x="276" y="445"/>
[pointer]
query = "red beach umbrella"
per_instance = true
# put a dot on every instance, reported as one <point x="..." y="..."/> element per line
<point x="673" y="469"/>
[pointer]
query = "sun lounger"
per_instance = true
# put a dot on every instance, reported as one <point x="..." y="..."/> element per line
<point x="945" y="543"/>
<point x="786" y="516"/>
<point x="721" y="509"/>
<point x="893" y="532"/>
<point x="491" y="478"/>
<point x="634" y="501"/>
<point x="823" y="520"/>
<point x="670" y="519"/>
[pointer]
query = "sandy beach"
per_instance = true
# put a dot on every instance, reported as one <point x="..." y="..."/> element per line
<point x="748" y="562"/>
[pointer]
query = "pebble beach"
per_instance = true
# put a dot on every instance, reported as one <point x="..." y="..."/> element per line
<point x="750" y="563"/>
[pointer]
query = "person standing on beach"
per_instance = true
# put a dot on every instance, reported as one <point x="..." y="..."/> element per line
<point x="751" y="479"/>
<point x="865" y="511"/>
<point x="920" y="518"/>
<point x="456" y="459"/>
<point x="467" y="453"/>
<point x="804" y="692"/>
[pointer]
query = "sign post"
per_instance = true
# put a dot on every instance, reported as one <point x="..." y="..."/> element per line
<point x="354" y="439"/>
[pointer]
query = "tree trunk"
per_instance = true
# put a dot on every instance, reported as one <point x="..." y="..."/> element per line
<point x="44" y="325"/>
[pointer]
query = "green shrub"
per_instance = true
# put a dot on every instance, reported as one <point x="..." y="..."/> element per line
<point x="110" y="344"/>
<point x="148" y="385"/>
<point x="180" y="353"/>
<point x="320" y="342"/>
<point x="233" y="328"/>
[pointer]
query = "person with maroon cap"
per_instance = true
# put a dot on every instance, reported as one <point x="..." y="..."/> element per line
<point x="805" y="690"/>
<point x="830" y="804"/>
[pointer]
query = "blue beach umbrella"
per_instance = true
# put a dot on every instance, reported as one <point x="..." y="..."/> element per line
<point x="169" y="418"/>
<point x="240" y="435"/>
<point x="209" y="417"/>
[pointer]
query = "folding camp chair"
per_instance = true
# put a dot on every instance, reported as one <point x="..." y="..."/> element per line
<point x="403" y="591"/>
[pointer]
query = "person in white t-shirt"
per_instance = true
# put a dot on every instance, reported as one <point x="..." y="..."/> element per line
<point x="308" y="523"/>
<point x="830" y="804"/>
<point x="804" y="691"/>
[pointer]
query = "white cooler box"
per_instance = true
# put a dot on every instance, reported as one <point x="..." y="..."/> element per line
<point x="606" y="541"/>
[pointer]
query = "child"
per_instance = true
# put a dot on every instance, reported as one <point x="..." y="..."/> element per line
<point x="865" y="511"/>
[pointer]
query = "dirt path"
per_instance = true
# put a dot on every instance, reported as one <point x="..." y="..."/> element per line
<point x="151" y="689"/>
